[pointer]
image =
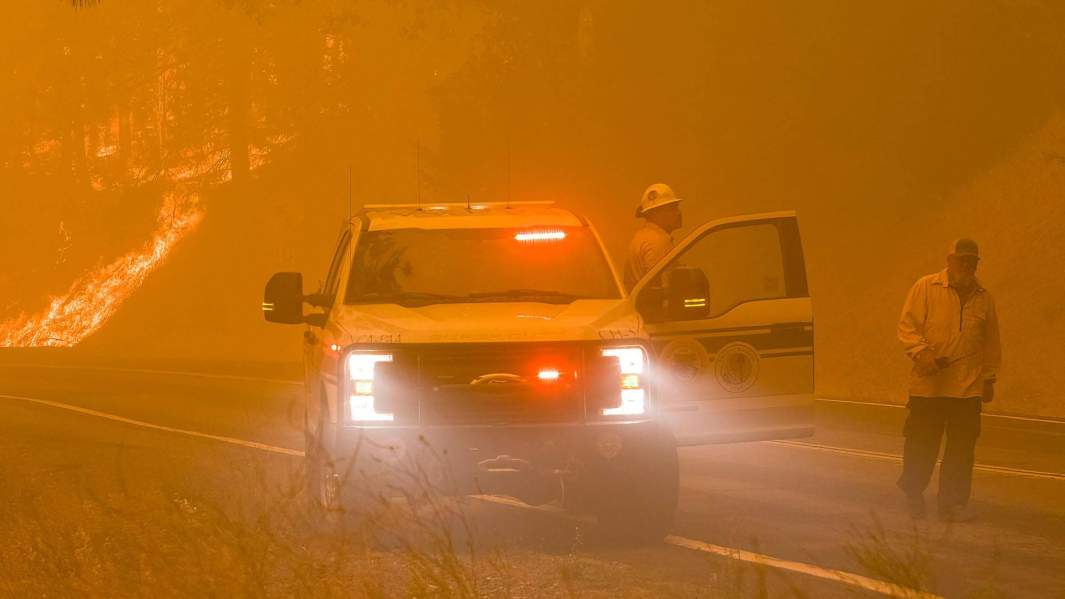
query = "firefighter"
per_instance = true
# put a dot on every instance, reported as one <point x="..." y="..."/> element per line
<point x="949" y="328"/>
<point x="660" y="209"/>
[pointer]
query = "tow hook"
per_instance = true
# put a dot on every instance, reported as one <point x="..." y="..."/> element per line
<point x="507" y="475"/>
<point x="504" y="463"/>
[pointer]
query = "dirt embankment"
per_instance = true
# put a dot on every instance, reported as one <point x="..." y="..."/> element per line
<point x="1015" y="210"/>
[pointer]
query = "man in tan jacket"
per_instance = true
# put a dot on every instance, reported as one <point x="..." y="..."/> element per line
<point x="949" y="328"/>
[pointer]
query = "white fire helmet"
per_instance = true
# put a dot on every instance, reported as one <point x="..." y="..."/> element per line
<point x="656" y="196"/>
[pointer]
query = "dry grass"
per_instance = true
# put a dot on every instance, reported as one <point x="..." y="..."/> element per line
<point x="66" y="538"/>
<point x="902" y="560"/>
<point x="253" y="534"/>
<point x="404" y="536"/>
<point x="909" y="559"/>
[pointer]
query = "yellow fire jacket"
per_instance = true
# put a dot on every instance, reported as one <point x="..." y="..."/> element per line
<point x="650" y="244"/>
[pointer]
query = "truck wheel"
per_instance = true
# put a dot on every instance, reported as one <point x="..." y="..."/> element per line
<point x="634" y="497"/>
<point x="323" y="488"/>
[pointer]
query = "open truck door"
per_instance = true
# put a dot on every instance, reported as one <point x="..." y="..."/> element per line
<point x="730" y="319"/>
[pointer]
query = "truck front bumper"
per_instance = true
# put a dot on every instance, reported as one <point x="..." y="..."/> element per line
<point x="530" y="462"/>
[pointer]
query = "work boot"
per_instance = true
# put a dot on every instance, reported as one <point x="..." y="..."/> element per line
<point x="957" y="513"/>
<point x="915" y="506"/>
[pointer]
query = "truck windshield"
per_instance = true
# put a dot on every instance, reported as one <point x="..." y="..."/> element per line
<point x="418" y="267"/>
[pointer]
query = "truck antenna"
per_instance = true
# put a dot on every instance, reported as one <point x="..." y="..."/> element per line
<point x="418" y="172"/>
<point x="509" y="186"/>
<point x="349" y="195"/>
<point x="468" y="208"/>
<point x="509" y="125"/>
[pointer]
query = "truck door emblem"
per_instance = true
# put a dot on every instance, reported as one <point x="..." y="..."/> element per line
<point x="736" y="366"/>
<point x="684" y="359"/>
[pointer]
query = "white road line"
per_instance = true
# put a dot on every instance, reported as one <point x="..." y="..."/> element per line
<point x="299" y="383"/>
<point x="856" y="580"/>
<point x="841" y="576"/>
<point x="827" y="448"/>
<point x="729" y="552"/>
<point x="836" y="575"/>
<point x="158" y="427"/>
<point x="890" y="457"/>
<point x="204" y="375"/>
<point x="902" y="407"/>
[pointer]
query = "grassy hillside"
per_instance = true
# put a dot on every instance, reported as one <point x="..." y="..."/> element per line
<point x="1016" y="209"/>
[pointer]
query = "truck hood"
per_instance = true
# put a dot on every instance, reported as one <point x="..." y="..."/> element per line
<point x="583" y="320"/>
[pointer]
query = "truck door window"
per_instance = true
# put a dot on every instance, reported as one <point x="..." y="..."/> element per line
<point x="743" y="263"/>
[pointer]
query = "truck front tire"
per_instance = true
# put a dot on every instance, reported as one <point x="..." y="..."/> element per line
<point x="634" y="495"/>
<point x="323" y="487"/>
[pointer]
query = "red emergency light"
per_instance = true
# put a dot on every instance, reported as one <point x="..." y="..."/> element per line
<point x="549" y="375"/>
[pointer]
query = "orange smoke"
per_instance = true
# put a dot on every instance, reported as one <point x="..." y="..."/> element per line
<point x="95" y="297"/>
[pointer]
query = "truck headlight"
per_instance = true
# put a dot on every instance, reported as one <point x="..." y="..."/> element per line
<point x="360" y="388"/>
<point x="633" y="362"/>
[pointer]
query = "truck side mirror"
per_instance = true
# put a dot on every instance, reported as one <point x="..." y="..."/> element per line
<point x="687" y="294"/>
<point x="283" y="298"/>
<point x="651" y="304"/>
<point x="319" y="300"/>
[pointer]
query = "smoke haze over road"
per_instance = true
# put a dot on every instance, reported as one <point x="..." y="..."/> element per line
<point x="891" y="129"/>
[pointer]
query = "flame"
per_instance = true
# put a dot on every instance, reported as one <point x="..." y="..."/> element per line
<point x="95" y="297"/>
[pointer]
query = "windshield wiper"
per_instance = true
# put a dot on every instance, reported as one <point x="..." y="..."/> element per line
<point x="538" y="294"/>
<point x="417" y="297"/>
<point x="426" y="298"/>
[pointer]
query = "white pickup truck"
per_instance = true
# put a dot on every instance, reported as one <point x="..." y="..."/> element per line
<point x="499" y="337"/>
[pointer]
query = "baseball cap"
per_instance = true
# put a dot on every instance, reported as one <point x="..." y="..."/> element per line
<point x="964" y="247"/>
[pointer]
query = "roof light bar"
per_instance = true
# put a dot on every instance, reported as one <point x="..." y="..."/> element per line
<point x="460" y="204"/>
<point x="540" y="236"/>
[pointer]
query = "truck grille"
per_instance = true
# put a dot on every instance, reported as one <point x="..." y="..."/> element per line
<point x="499" y="384"/>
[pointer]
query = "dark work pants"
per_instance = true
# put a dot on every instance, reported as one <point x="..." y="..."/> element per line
<point x="928" y="419"/>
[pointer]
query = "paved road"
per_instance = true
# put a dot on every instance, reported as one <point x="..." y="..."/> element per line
<point x="801" y="502"/>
